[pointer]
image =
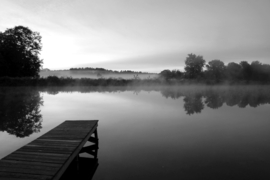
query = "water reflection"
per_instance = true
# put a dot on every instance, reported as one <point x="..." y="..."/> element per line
<point x="214" y="99"/>
<point x="223" y="144"/>
<point x="20" y="111"/>
<point x="193" y="104"/>
<point x="195" y="97"/>
<point x="20" y="108"/>
<point x="86" y="163"/>
<point x="82" y="168"/>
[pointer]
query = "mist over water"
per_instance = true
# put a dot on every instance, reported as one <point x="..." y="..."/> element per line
<point x="96" y="74"/>
<point x="188" y="132"/>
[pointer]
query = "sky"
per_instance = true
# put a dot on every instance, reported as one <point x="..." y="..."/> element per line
<point x="143" y="35"/>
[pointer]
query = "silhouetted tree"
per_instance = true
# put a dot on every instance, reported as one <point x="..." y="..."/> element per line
<point x="260" y="72"/>
<point x="166" y="74"/>
<point x="20" y="111"/>
<point x="215" y="70"/>
<point x="174" y="74"/>
<point x="246" y="71"/>
<point x="3" y="65"/>
<point x="266" y="71"/>
<point x="233" y="71"/>
<point x="177" y="74"/>
<point x="19" y="50"/>
<point x="194" y="66"/>
<point x="256" y="67"/>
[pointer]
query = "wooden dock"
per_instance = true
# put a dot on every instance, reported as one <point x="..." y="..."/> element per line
<point x="48" y="157"/>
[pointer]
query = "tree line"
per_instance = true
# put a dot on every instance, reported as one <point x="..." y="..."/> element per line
<point x="216" y="71"/>
<point x="20" y="48"/>
<point x="103" y="70"/>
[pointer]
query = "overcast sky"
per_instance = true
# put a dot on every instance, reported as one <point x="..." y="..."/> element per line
<point x="147" y="35"/>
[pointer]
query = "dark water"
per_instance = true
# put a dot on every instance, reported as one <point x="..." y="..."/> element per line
<point x="190" y="132"/>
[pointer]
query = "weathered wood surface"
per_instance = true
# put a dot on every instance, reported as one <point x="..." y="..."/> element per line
<point x="47" y="157"/>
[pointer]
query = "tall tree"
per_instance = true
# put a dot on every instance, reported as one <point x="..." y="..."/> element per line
<point x="258" y="73"/>
<point x="19" y="52"/>
<point x="215" y="70"/>
<point x="194" y="66"/>
<point x="246" y="70"/>
<point x="233" y="71"/>
<point x="266" y="72"/>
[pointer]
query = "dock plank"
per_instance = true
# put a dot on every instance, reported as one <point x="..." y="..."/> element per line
<point x="47" y="157"/>
<point x="30" y="170"/>
<point x="22" y="176"/>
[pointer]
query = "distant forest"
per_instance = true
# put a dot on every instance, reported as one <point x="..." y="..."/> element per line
<point x="216" y="71"/>
<point x="102" y="70"/>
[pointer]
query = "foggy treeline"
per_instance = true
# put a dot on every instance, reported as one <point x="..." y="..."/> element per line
<point x="216" y="71"/>
<point x="103" y="70"/>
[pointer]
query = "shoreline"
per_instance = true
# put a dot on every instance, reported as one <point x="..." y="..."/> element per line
<point x="104" y="82"/>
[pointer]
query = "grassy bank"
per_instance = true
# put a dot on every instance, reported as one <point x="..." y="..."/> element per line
<point x="56" y="81"/>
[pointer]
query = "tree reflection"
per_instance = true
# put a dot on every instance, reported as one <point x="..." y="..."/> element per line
<point x="232" y="99"/>
<point x="215" y="97"/>
<point x="171" y="93"/>
<point x="195" y="98"/>
<point x="193" y="104"/>
<point x="244" y="100"/>
<point x="20" y="111"/>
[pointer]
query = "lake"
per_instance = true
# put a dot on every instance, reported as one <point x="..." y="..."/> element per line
<point x="188" y="132"/>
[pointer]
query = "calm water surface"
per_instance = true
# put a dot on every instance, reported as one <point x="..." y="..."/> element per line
<point x="191" y="132"/>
